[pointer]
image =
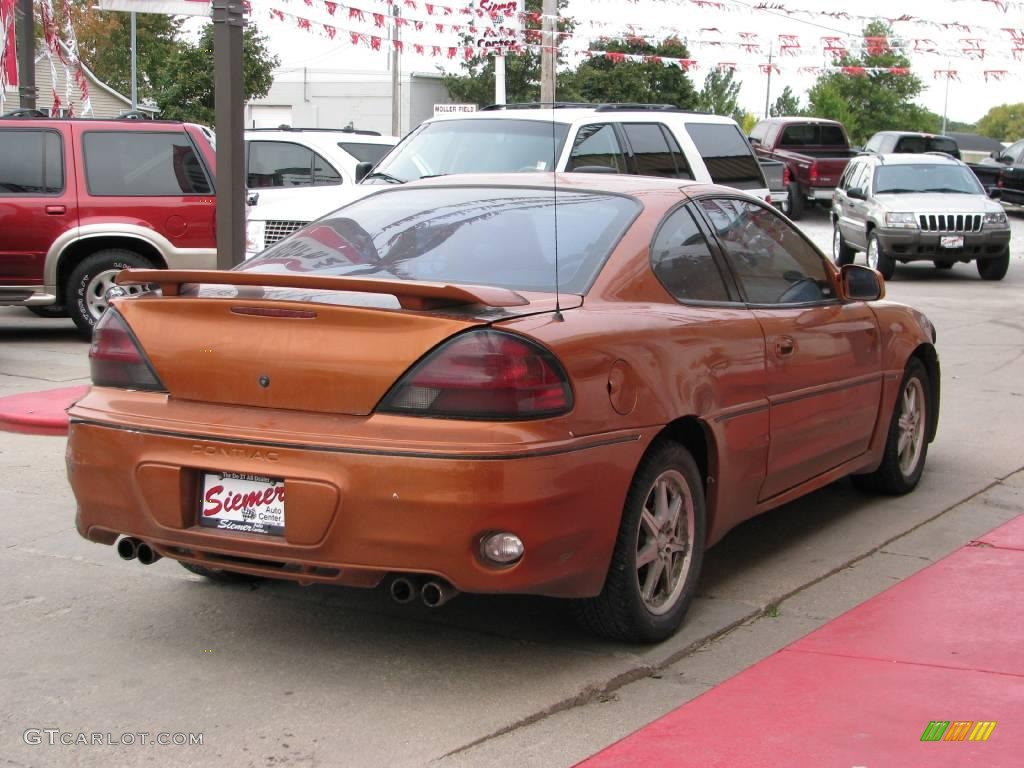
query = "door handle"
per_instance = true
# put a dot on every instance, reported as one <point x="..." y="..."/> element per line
<point x="784" y="346"/>
<point x="56" y="210"/>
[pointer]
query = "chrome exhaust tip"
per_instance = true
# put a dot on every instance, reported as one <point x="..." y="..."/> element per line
<point x="128" y="548"/>
<point x="404" y="589"/>
<point x="146" y="554"/>
<point x="436" y="593"/>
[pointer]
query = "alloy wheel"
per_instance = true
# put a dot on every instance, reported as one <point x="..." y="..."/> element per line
<point x="911" y="426"/>
<point x="96" y="291"/>
<point x="665" y="539"/>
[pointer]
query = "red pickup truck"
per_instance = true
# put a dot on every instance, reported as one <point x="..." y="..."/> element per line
<point x="82" y="199"/>
<point x="815" y="153"/>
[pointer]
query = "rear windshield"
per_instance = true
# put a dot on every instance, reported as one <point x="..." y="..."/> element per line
<point x="727" y="155"/>
<point x="901" y="179"/>
<point x="813" y="135"/>
<point x="922" y="144"/>
<point x="363" y="152"/>
<point x="495" y="236"/>
<point x="476" y="146"/>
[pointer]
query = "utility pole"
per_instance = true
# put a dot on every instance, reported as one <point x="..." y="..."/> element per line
<point x="396" y="75"/>
<point x="135" y="76"/>
<point x="25" y="36"/>
<point x="768" y="90"/>
<point x="945" y="104"/>
<point x="548" y="55"/>
<point x="229" y="102"/>
<point x="499" y="79"/>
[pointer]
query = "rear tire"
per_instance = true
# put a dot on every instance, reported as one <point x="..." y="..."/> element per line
<point x="89" y="281"/>
<point x="221" y="577"/>
<point x="994" y="269"/>
<point x="878" y="259"/>
<point x="796" y="202"/>
<point x="842" y="254"/>
<point x="658" y="552"/>
<point x="906" y="444"/>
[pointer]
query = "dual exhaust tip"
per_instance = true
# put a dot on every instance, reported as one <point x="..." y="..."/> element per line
<point x="130" y="548"/>
<point x="433" y="592"/>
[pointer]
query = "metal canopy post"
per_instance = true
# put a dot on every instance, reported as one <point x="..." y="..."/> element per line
<point x="26" y="40"/>
<point x="229" y="100"/>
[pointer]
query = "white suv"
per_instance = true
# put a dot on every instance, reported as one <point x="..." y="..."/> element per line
<point x="647" y="139"/>
<point x="313" y="167"/>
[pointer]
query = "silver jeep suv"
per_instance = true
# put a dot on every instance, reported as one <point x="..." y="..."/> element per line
<point x="931" y="207"/>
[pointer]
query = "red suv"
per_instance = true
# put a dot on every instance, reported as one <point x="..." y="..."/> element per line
<point x="82" y="199"/>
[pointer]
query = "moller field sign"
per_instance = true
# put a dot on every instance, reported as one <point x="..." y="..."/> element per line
<point x="169" y="7"/>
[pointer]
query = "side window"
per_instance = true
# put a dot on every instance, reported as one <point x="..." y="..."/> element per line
<point x="365" y="153"/>
<point x="650" y="147"/>
<point x="142" y="164"/>
<point x="727" y="155"/>
<point x="772" y="261"/>
<point x="284" y="164"/>
<point x="1015" y="151"/>
<point x="874" y="144"/>
<point x="32" y="162"/>
<point x="681" y="162"/>
<point x="597" y="146"/>
<point x="848" y="173"/>
<point x="858" y="176"/>
<point x="757" y="133"/>
<point x="682" y="260"/>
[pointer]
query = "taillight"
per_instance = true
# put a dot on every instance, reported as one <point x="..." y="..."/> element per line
<point x="814" y="172"/>
<point x="785" y="176"/>
<point x="115" y="358"/>
<point x="483" y="374"/>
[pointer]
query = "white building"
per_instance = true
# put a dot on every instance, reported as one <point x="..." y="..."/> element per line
<point x="323" y="98"/>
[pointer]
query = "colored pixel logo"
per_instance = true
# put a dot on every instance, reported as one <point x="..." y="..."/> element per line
<point x="958" y="730"/>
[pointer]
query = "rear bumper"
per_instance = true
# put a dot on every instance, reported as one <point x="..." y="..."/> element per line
<point x="354" y="516"/>
<point x="821" y="193"/>
<point x="908" y="245"/>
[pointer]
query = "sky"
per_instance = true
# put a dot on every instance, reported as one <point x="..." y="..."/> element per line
<point x="967" y="37"/>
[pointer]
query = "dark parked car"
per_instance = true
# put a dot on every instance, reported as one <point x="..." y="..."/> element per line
<point x="909" y="142"/>
<point x="1004" y="171"/>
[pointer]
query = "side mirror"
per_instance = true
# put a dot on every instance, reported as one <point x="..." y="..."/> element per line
<point x="995" y="193"/>
<point x="362" y="171"/>
<point x="857" y="193"/>
<point x="861" y="283"/>
<point x="752" y="140"/>
<point x="1005" y="159"/>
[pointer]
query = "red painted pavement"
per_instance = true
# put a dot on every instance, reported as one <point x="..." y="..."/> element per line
<point x="39" y="413"/>
<point x="945" y="644"/>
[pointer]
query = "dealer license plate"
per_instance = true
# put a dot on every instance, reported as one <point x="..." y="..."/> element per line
<point x="243" y="503"/>
<point x="952" y="241"/>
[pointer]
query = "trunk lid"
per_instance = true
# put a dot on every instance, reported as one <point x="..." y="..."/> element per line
<point x="297" y="348"/>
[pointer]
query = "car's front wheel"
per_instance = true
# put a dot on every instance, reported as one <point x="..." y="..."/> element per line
<point x="995" y="269"/>
<point x="90" y="281"/>
<point x="658" y="552"/>
<point x="842" y="254"/>
<point x="879" y="259"/>
<point x="906" y="445"/>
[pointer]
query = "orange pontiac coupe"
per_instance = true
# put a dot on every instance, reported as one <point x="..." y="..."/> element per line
<point x="399" y="392"/>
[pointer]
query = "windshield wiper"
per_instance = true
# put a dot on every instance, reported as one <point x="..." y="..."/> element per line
<point x="432" y="176"/>
<point x="386" y="176"/>
<point x="895" y="191"/>
<point x="947" y="189"/>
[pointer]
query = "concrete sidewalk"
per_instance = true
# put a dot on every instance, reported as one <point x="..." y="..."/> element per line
<point x="936" y="657"/>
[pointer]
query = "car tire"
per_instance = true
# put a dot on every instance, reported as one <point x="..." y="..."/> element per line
<point x="879" y="259"/>
<point x="49" y="311"/>
<point x="796" y="202"/>
<point x="906" y="443"/>
<point x="219" y="576"/>
<point x="994" y="269"/>
<point x="647" y="602"/>
<point x="842" y="254"/>
<point x="90" y="280"/>
<point x="943" y="264"/>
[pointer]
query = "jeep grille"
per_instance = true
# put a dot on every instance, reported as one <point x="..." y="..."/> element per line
<point x="279" y="230"/>
<point x="957" y="222"/>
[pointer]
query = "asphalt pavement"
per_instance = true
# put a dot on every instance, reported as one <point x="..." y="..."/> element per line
<point x="285" y="675"/>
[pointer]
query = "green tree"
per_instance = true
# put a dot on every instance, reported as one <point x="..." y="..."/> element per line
<point x="1004" y="123"/>
<point x="720" y="94"/>
<point x="605" y="79"/>
<point x="522" y="71"/>
<point x="874" y="101"/>
<point x="184" y="87"/>
<point x="104" y="44"/>
<point x="787" y="105"/>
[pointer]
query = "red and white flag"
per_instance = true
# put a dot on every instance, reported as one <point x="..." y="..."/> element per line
<point x="8" y="53"/>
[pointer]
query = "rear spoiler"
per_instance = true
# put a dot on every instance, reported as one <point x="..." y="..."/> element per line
<point x="410" y="295"/>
